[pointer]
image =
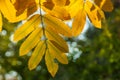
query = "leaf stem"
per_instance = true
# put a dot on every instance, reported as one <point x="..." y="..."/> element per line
<point x="42" y="23"/>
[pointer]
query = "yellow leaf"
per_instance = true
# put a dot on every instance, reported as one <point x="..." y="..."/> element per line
<point x="51" y="65"/>
<point x="60" y="12"/>
<point x="47" y="5"/>
<point x="7" y="9"/>
<point x="79" y="22"/>
<point x="31" y="41"/>
<point x="57" y="40"/>
<point x="31" y="8"/>
<point x="59" y="2"/>
<point x="1" y="22"/>
<point x="59" y="55"/>
<point x="27" y="28"/>
<point x="22" y="5"/>
<point x="74" y="7"/>
<point x="58" y="25"/>
<point x="13" y="1"/>
<point x="106" y="5"/>
<point x="37" y="55"/>
<point x="92" y="13"/>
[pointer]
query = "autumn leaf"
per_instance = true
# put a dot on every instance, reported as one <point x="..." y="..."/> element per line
<point x="7" y="9"/>
<point x="60" y="2"/>
<point x="27" y="27"/>
<point x="57" y="40"/>
<point x="31" y="41"/>
<point x="57" y="25"/>
<point x="98" y="14"/>
<point x="74" y="7"/>
<point x="106" y="5"/>
<point x="1" y="22"/>
<point x="57" y="53"/>
<point x="87" y="8"/>
<point x="51" y="65"/>
<point x="79" y="22"/>
<point x="9" y="12"/>
<point x="59" y="12"/>
<point x="37" y="55"/>
<point x="21" y="6"/>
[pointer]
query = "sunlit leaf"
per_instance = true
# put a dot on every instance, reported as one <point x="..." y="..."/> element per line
<point x="31" y="9"/>
<point x="106" y="5"/>
<point x="13" y="1"/>
<point x="74" y="7"/>
<point x="1" y="22"/>
<point x="22" y="5"/>
<point x="60" y="12"/>
<point x="31" y="41"/>
<point x="27" y="28"/>
<point x="7" y="9"/>
<point x="48" y="5"/>
<point x="58" y="41"/>
<point x="79" y="22"/>
<point x="59" y="2"/>
<point x="58" y="25"/>
<point x="51" y="65"/>
<point x="37" y="55"/>
<point x="92" y="13"/>
<point x="59" y="55"/>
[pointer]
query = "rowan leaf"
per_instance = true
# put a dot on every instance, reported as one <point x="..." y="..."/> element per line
<point x="31" y="41"/>
<point x="51" y="65"/>
<point x="57" y="40"/>
<point x="37" y="55"/>
<point x="59" y="55"/>
<point x="27" y="28"/>
<point x="13" y="1"/>
<point x="58" y="25"/>
<point x="74" y="7"/>
<point x="9" y="11"/>
<point x="79" y="22"/>
<point x="59" y="2"/>
<point x="48" y="5"/>
<point x="1" y="22"/>
<point x="60" y="12"/>
<point x="21" y="6"/>
<point x="31" y="9"/>
<point x="93" y="14"/>
<point x="106" y="5"/>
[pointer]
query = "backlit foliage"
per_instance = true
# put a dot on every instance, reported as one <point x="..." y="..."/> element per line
<point x="44" y="32"/>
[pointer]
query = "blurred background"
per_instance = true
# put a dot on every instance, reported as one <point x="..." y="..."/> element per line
<point x="94" y="55"/>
